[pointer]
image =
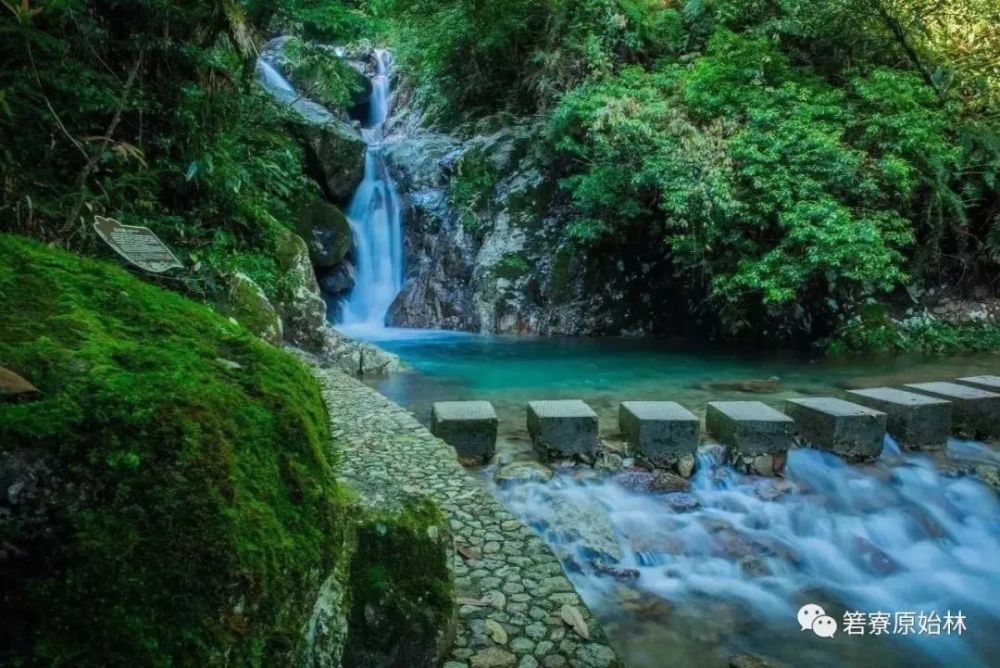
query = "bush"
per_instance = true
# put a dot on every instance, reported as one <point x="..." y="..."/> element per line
<point x="178" y="504"/>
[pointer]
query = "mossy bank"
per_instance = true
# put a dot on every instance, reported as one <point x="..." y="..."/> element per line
<point x="168" y="496"/>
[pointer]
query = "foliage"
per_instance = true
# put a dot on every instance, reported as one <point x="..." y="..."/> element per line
<point x="186" y="510"/>
<point x="872" y="331"/>
<point x="148" y="113"/>
<point x="475" y="57"/>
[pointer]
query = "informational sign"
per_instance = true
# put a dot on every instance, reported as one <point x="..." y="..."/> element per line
<point x="138" y="245"/>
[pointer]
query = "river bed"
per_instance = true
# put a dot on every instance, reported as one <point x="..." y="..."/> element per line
<point x="721" y="569"/>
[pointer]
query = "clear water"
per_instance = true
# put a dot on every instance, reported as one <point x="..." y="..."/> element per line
<point x="375" y="216"/>
<point x="728" y="576"/>
<point x="723" y="569"/>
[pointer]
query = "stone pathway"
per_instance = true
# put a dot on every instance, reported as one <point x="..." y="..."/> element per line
<point x="511" y="588"/>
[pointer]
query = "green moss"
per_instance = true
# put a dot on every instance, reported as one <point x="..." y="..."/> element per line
<point x="184" y="511"/>
<point x="875" y="331"/>
<point x="472" y="187"/>
<point x="511" y="267"/>
<point x="401" y="588"/>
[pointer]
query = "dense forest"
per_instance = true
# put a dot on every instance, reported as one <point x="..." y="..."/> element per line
<point x="805" y="166"/>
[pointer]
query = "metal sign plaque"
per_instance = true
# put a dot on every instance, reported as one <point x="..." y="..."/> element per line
<point x="138" y="245"/>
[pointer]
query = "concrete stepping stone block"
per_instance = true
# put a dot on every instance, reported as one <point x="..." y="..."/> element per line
<point x="853" y="432"/>
<point x="662" y="432"/>
<point x="916" y="421"/>
<point x="989" y="383"/>
<point x="468" y="426"/>
<point x="975" y="412"/>
<point x="562" y="429"/>
<point x="757" y="436"/>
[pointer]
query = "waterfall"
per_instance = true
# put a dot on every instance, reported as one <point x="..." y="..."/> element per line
<point x="375" y="217"/>
<point x="374" y="214"/>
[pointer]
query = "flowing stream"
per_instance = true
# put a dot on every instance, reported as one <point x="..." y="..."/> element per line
<point x="375" y="216"/>
<point x="374" y="213"/>
<point x="693" y="577"/>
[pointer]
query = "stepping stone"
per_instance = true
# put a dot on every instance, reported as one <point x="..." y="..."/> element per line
<point x="662" y="432"/>
<point x="468" y="426"/>
<point x="975" y="412"/>
<point x="562" y="429"/>
<point x="853" y="432"/>
<point x="916" y="421"/>
<point x="757" y="436"/>
<point x="990" y="383"/>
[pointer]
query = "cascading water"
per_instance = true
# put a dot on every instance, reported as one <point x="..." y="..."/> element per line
<point x="722" y="569"/>
<point x="374" y="213"/>
<point x="376" y="219"/>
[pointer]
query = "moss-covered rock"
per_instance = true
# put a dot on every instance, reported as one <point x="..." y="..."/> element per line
<point x="326" y="232"/>
<point x="336" y="152"/>
<point x="298" y="299"/>
<point x="246" y="302"/>
<point x="168" y="497"/>
<point x="402" y="588"/>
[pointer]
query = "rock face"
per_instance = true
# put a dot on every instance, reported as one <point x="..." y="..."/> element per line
<point x="336" y="153"/>
<point x="485" y="245"/>
<point x="326" y="232"/>
<point x="304" y="314"/>
<point x="247" y="303"/>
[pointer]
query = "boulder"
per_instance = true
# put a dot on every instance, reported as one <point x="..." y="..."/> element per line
<point x="326" y="232"/>
<point x="521" y="472"/>
<point x="587" y="525"/>
<point x="401" y="588"/>
<point x="303" y="312"/>
<point x="246" y="302"/>
<point x="337" y="150"/>
<point x="339" y="279"/>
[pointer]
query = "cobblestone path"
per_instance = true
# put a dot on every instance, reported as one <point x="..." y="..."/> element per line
<point x="510" y="587"/>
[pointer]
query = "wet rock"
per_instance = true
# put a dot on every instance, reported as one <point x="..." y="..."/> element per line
<point x="989" y="474"/>
<point x="337" y="151"/>
<point x="522" y="472"/>
<point x="752" y="385"/>
<point x="246" y="302"/>
<point x="754" y="567"/>
<point x="665" y="481"/>
<point x="616" y="572"/>
<point x="873" y="559"/>
<point x="747" y="661"/>
<point x="586" y="524"/>
<point x="636" y="480"/>
<point x="685" y="465"/>
<point x="681" y="502"/>
<point x="326" y="232"/>
<point x="303" y="314"/>
<point x="339" y="279"/>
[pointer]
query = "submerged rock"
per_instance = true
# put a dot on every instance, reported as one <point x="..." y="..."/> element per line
<point x="585" y="524"/>
<point x="522" y="472"/>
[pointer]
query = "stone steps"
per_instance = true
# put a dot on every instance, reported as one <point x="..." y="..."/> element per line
<point x="664" y="434"/>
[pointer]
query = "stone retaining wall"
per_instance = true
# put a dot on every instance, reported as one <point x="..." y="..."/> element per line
<point x="510" y="587"/>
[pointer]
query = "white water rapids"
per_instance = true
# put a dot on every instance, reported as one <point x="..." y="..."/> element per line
<point x="724" y="568"/>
